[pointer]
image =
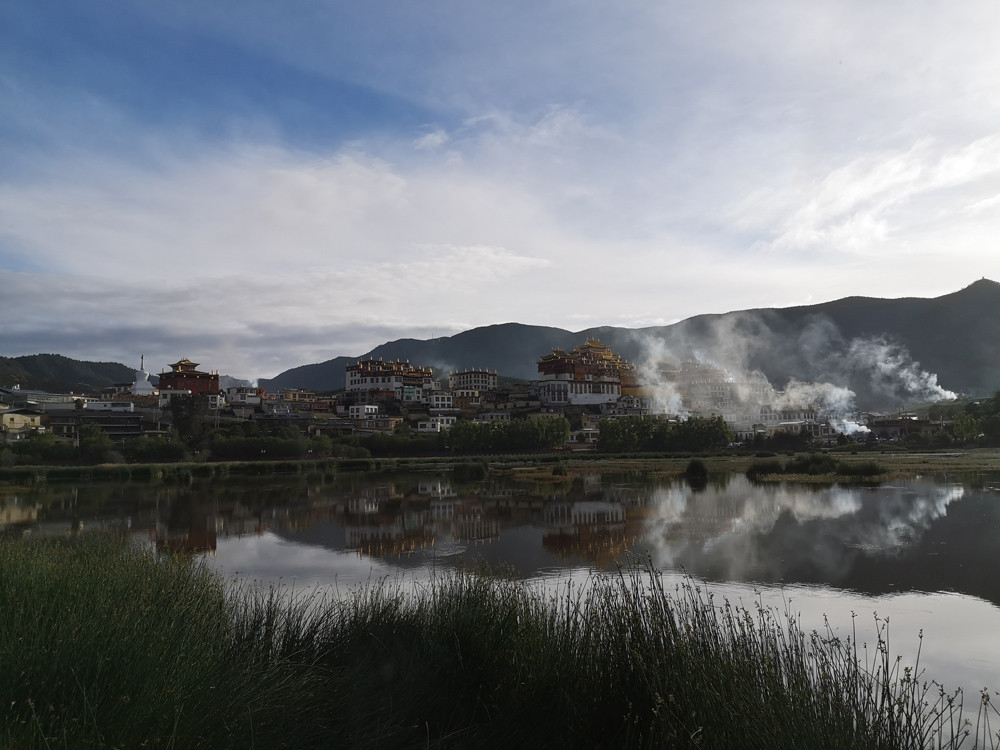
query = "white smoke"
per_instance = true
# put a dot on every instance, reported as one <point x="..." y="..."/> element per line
<point x="848" y="426"/>
<point x="826" y="397"/>
<point x="663" y="393"/>
<point x="829" y="371"/>
<point x="666" y="400"/>
<point x="893" y="372"/>
<point x="738" y="534"/>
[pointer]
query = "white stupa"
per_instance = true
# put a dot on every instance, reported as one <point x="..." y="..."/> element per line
<point x="142" y="386"/>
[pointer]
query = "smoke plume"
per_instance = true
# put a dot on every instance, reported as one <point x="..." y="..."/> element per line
<point x="892" y="372"/>
<point x="811" y="364"/>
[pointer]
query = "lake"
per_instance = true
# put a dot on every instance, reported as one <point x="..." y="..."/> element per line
<point x="923" y="553"/>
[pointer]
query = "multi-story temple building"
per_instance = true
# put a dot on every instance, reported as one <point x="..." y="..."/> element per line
<point x="590" y="374"/>
<point x="376" y="375"/>
<point x="473" y="380"/>
<point x="185" y="376"/>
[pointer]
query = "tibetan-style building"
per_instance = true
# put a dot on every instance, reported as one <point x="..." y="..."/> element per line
<point x="376" y="375"/>
<point x="185" y="376"/>
<point x="590" y="374"/>
<point x="475" y="380"/>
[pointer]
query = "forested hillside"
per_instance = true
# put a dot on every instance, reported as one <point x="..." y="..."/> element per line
<point x="54" y="372"/>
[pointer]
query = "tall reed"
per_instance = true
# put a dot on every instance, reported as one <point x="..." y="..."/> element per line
<point x="106" y="645"/>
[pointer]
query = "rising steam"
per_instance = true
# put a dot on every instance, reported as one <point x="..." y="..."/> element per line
<point x="831" y="370"/>
<point x="892" y="371"/>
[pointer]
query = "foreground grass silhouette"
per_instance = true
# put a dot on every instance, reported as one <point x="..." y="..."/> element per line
<point x="103" y="645"/>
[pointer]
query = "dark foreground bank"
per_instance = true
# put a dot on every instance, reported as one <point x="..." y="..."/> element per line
<point x="107" y="646"/>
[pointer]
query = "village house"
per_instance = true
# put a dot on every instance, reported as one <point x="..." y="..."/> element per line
<point x="439" y="400"/>
<point x="362" y="411"/>
<point x="243" y="395"/>
<point x="436" y="423"/>
<point x="296" y="398"/>
<point x="901" y="426"/>
<point x="23" y="398"/>
<point x="377" y="423"/>
<point x="17" y="424"/>
<point x="493" y="416"/>
<point x="215" y="400"/>
<point x="331" y="426"/>
<point x="117" y="424"/>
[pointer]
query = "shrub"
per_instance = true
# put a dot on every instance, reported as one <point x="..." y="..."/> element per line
<point x="760" y="469"/>
<point x="814" y="463"/>
<point x="861" y="469"/>
<point x="696" y="469"/>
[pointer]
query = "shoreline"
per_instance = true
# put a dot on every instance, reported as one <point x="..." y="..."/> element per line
<point x="529" y="466"/>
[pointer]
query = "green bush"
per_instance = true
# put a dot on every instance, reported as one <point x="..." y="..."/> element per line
<point x="696" y="469"/>
<point x="861" y="469"/>
<point x="814" y="463"/>
<point x="760" y="469"/>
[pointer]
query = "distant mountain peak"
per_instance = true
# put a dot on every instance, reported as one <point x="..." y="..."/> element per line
<point x="983" y="284"/>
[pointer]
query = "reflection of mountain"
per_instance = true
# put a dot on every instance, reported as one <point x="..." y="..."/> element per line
<point x="960" y="552"/>
<point x="917" y="536"/>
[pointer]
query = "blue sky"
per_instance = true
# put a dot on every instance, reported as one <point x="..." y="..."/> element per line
<point x="263" y="185"/>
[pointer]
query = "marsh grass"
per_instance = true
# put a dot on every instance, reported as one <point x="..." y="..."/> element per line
<point x="110" y="646"/>
<point x="116" y="647"/>
<point x="815" y="467"/>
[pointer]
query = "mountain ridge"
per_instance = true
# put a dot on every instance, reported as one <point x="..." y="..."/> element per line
<point x="886" y="351"/>
<point x="952" y="341"/>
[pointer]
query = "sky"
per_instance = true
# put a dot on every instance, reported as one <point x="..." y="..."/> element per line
<point x="261" y="185"/>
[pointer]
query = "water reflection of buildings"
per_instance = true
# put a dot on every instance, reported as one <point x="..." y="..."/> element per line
<point x="594" y="531"/>
<point x="420" y="525"/>
<point x="475" y="527"/>
<point x="872" y="540"/>
<point x="381" y="540"/>
<point x="188" y="542"/>
<point x="435" y="488"/>
<point x="197" y="535"/>
<point x="16" y="512"/>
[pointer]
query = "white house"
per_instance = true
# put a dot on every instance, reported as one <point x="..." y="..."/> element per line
<point x="436" y="424"/>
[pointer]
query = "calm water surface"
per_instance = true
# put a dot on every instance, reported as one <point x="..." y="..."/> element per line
<point x="924" y="553"/>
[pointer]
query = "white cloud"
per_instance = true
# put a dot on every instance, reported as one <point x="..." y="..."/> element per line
<point x="431" y="141"/>
<point x="644" y="164"/>
<point x="887" y="204"/>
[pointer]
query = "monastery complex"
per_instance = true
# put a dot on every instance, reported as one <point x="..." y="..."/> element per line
<point x="587" y="384"/>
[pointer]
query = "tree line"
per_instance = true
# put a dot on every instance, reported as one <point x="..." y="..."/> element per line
<point x="649" y="434"/>
<point x="194" y="437"/>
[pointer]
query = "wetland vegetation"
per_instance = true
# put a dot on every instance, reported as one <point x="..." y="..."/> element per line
<point x="109" y="645"/>
<point x="115" y="645"/>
